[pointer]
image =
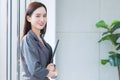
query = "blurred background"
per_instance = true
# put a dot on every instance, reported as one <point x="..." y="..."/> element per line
<point x="73" y="23"/>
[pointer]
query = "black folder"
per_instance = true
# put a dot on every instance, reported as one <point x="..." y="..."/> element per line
<point x="54" y="50"/>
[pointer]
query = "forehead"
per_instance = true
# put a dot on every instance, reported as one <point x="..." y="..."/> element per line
<point x="40" y="10"/>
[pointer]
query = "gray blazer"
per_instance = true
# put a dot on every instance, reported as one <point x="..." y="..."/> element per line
<point x="34" y="58"/>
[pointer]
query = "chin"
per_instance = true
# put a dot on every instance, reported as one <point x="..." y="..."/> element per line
<point x="42" y="27"/>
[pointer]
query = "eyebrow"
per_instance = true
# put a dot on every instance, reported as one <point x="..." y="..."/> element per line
<point x="40" y="14"/>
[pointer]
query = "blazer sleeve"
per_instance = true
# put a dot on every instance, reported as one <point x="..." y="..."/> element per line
<point x="31" y="57"/>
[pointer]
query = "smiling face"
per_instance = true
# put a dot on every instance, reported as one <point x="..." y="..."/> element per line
<point x="38" y="19"/>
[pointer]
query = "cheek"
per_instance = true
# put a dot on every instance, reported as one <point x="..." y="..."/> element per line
<point x="45" y="21"/>
<point x="33" y="23"/>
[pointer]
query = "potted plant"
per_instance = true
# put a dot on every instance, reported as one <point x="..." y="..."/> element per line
<point x="111" y="34"/>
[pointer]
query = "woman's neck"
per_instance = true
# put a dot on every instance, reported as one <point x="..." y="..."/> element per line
<point x="36" y="31"/>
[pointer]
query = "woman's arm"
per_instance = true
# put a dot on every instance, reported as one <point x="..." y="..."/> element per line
<point x="32" y="59"/>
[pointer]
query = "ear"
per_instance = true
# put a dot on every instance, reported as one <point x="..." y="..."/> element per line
<point x="28" y="18"/>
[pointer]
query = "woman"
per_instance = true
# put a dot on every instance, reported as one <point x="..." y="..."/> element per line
<point x="36" y="54"/>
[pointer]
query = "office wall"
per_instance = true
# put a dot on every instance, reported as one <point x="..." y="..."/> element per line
<point x="78" y="55"/>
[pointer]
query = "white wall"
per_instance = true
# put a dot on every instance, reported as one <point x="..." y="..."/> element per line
<point x="2" y="40"/>
<point x="8" y="40"/>
<point x="79" y="54"/>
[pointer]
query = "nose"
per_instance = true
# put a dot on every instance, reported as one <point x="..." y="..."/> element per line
<point x="41" y="18"/>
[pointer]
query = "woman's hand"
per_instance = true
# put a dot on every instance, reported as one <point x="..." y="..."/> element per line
<point x="51" y="67"/>
<point x="52" y="71"/>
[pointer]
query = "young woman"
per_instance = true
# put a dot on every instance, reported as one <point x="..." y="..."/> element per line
<point x="36" y="53"/>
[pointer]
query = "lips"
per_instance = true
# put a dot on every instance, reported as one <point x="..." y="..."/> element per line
<point x="41" y="24"/>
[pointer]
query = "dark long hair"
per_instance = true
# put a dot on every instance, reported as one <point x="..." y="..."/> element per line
<point x="31" y="8"/>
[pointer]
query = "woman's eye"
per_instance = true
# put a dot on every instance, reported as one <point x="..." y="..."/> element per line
<point x="37" y="16"/>
<point x="41" y="15"/>
<point x="44" y="16"/>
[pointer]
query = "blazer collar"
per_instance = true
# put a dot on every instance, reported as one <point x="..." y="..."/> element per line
<point x="33" y="35"/>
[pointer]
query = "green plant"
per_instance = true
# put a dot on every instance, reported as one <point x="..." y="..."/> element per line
<point x="111" y="35"/>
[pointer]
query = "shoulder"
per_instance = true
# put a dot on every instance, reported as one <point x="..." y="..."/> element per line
<point x="28" y="41"/>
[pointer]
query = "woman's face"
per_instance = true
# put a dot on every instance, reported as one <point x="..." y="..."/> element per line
<point x="38" y="19"/>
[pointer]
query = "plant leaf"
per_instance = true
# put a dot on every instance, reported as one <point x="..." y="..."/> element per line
<point x="111" y="37"/>
<point x="112" y="52"/>
<point x="118" y="47"/>
<point x="104" y="61"/>
<point x="114" y="59"/>
<point x="115" y="22"/>
<point x="115" y="27"/>
<point x="101" y="24"/>
<point x="104" y="33"/>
